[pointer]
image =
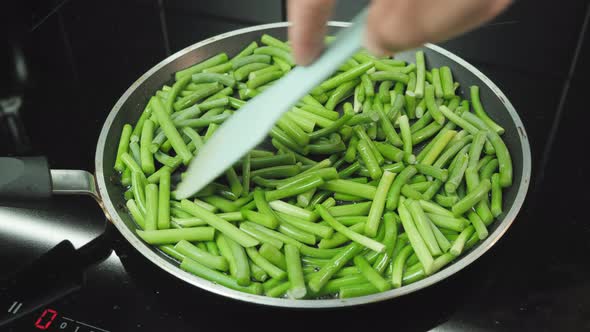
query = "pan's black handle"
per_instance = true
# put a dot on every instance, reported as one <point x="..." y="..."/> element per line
<point x="54" y="275"/>
<point x="24" y="178"/>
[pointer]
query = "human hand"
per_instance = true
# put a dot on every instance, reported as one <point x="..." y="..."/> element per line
<point x="393" y="25"/>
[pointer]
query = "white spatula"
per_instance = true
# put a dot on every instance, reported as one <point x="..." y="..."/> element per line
<point x="250" y="124"/>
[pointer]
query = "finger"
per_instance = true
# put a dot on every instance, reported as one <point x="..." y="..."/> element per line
<point x="308" y="18"/>
<point x="396" y="25"/>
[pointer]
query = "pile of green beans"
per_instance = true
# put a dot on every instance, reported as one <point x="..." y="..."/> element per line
<point x="378" y="178"/>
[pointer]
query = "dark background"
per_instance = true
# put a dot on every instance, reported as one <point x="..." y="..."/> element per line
<point x="83" y="55"/>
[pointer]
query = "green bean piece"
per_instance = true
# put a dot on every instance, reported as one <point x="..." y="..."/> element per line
<point x="220" y="69"/>
<point x="274" y="172"/>
<point x="358" y="209"/>
<point x="457" y="173"/>
<point x="459" y="243"/>
<point x="458" y="120"/>
<point x="452" y="150"/>
<point x="273" y="255"/>
<point x="254" y="58"/>
<point x="213" y="61"/>
<point x="398" y="266"/>
<point x="447" y="82"/>
<point x="369" y="159"/>
<point x="446" y="201"/>
<point x="226" y="252"/>
<point x="294" y="131"/>
<point x="257" y="273"/>
<point x="425" y="120"/>
<point x="351" y="188"/>
<point x="273" y="160"/>
<point x="234" y="182"/>
<point x="406" y="134"/>
<point x="437" y="148"/>
<point x="389" y="240"/>
<point x="211" y="261"/>
<point x="164" y="201"/>
<point x="263" y="79"/>
<point x="340" y="93"/>
<point x="171" y="133"/>
<point x="483" y="161"/>
<point x="318" y="119"/>
<point x="195" y="96"/>
<point x="389" y="130"/>
<point x="138" y="187"/>
<point x="376" y="211"/>
<point x="383" y="92"/>
<point x="272" y="270"/>
<point x="166" y="236"/>
<point x="123" y="146"/>
<point x="264" y="219"/>
<point x="396" y="76"/>
<point x="339" y="239"/>
<point x="146" y="114"/>
<point x="362" y="135"/>
<point x="151" y="207"/>
<point x="472" y="198"/>
<point x="410" y="192"/>
<point x="400" y="180"/>
<point x="306" y="226"/>
<point x="418" y="243"/>
<point x="170" y="251"/>
<point x="243" y="72"/>
<point x="321" y="112"/>
<point x="478" y="225"/>
<point x="297" y="234"/>
<point x="358" y="238"/>
<point x="481" y="113"/>
<point x="435" y="172"/>
<point x="335" y="126"/>
<point x="436" y="81"/>
<point x="219" y="278"/>
<point x="147" y="158"/>
<point x="390" y="152"/>
<point x="496" y="195"/>
<point x="304" y="199"/>
<point x="334" y="265"/>
<point x="476" y="147"/>
<point x="347" y="76"/>
<point x="420" y="74"/>
<point x="367" y="85"/>
<point x="272" y="283"/>
<point x="292" y="210"/>
<point x="264" y="208"/>
<point x="275" y="52"/>
<point x="136" y="213"/>
<point x="504" y="159"/>
<point x="224" y="79"/>
<point x="278" y="290"/>
<point x="241" y="260"/>
<point x="272" y="41"/>
<point x="422" y="223"/>
<point x="429" y="97"/>
<point x="426" y="133"/>
<point x="370" y="274"/>
<point x="295" y="272"/>
<point x="259" y="234"/>
<point x="441" y="240"/>
<point x="218" y="223"/>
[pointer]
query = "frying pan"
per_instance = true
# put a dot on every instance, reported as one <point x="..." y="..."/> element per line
<point x="102" y="186"/>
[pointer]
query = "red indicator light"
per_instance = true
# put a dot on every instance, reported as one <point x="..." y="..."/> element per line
<point x="47" y="317"/>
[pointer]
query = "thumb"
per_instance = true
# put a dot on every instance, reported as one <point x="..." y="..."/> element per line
<point x="308" y="18"/>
